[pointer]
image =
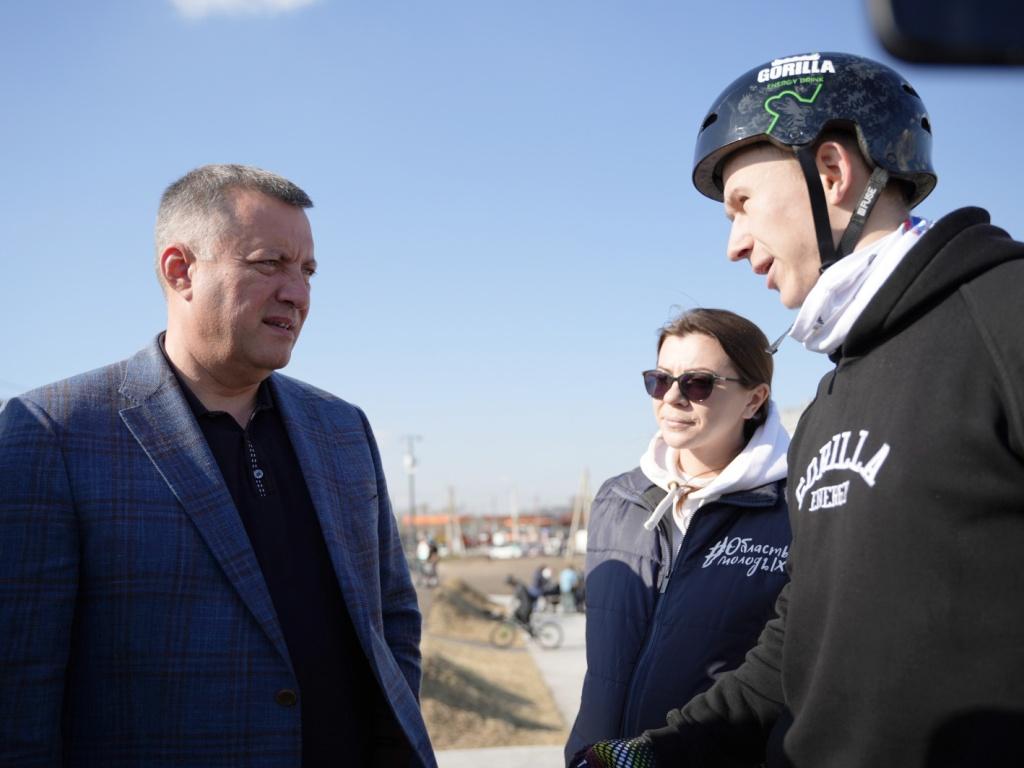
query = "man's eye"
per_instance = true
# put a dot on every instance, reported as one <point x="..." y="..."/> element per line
<point x="735" y="205"/>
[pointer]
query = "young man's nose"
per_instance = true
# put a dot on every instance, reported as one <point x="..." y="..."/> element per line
<point x="740" y="242"/>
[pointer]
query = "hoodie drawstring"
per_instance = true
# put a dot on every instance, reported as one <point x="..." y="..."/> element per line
<point x="674" y="492"/>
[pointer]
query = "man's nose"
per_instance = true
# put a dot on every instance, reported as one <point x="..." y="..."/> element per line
<point x="294" y="290"/>
<point x="740" y="242"/>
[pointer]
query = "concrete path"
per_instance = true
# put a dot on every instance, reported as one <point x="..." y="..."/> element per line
<point x="502" y="757"/>
<point x="563" y="670"/>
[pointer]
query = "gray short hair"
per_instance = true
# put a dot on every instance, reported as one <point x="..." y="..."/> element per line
<point x="197" y="207"/>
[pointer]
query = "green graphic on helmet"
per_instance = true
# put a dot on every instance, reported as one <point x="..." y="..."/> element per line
<point x="777" y="113"/>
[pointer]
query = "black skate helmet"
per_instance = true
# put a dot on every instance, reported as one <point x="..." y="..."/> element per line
<point x="790" y="102"/>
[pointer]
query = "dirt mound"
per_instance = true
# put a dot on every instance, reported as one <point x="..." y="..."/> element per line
<point x="476" y="695"/>
<point x="460" y="612"/>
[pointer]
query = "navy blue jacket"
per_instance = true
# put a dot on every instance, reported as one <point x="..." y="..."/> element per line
<point x="661" y="628"/>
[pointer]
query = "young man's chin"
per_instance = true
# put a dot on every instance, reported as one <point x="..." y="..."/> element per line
<point x="793" y="298"/>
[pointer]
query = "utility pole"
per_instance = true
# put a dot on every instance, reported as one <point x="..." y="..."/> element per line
<point x="580" y="513"/>
<point x="513" y="500"/>
<point x="454" y="526"/>
<point x="410" y="469"/>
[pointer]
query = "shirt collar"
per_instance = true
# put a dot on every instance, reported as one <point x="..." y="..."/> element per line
<point x="264" y="399"/>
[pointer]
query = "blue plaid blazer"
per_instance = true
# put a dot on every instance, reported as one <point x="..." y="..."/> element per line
<point x="135" y="625"/>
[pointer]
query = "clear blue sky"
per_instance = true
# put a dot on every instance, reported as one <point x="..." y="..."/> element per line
<point x="503" y="208"/>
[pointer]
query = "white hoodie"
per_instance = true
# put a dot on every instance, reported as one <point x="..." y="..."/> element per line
<point x="762" y="460"/>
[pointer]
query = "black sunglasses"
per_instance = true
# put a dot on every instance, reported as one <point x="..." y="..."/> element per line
<point x="695" y="386"/>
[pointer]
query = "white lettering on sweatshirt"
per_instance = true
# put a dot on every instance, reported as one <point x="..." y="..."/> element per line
<point x="835" y="455"/>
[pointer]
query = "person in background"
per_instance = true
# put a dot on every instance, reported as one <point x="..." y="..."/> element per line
<point x="199" y="564"/>
<point x="432" y="566"/>
<point x="687" y="552"/>
<point x="422" y="550"/>
<point x="568" y="577"/>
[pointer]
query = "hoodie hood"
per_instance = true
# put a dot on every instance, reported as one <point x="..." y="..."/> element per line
<point x="762" y="461"/>
<point x="933" y="269"/>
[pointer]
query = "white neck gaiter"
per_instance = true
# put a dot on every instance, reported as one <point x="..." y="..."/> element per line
<point x="844" y="289"/>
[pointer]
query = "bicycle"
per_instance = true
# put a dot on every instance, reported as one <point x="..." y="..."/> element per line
<point x="546" y="632"/>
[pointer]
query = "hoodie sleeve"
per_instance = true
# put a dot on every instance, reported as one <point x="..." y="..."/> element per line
<point x="729" y="723"/>
<point x="996" y="314"/>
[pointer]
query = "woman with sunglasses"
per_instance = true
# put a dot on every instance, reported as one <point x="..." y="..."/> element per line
<point x="686" y="553"/>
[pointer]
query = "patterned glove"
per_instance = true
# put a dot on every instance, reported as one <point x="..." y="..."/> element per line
<point x="617" y="753"/>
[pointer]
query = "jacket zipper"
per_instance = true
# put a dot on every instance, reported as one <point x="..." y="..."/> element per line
<point x="670" y="557"/>
<point x="628" y="715"/>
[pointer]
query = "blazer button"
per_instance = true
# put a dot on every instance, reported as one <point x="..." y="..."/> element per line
<point x="286" y="697"/>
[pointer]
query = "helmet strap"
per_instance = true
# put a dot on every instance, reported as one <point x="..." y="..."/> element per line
<point x="828" y="251"/>
<point x="873" y="191"/>
<point x="819" y="209"/>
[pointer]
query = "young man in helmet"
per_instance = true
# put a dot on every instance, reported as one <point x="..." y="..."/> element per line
<point x="900" y="638"/>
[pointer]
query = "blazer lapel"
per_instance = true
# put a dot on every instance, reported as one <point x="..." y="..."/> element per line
<point x="164" y="426"/>
<point x="329" y="455"/>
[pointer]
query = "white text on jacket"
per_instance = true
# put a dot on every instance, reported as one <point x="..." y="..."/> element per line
<point x="737" y="550"/>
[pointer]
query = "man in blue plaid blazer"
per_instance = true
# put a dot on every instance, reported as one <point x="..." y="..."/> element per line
<point x="198" y="561"/>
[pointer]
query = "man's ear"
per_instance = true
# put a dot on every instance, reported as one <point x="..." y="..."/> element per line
<point x="175" y="261"/>
<point x="838" y="172"/>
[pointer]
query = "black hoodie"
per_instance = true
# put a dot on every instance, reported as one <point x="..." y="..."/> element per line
<point x="900" y="638"/>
